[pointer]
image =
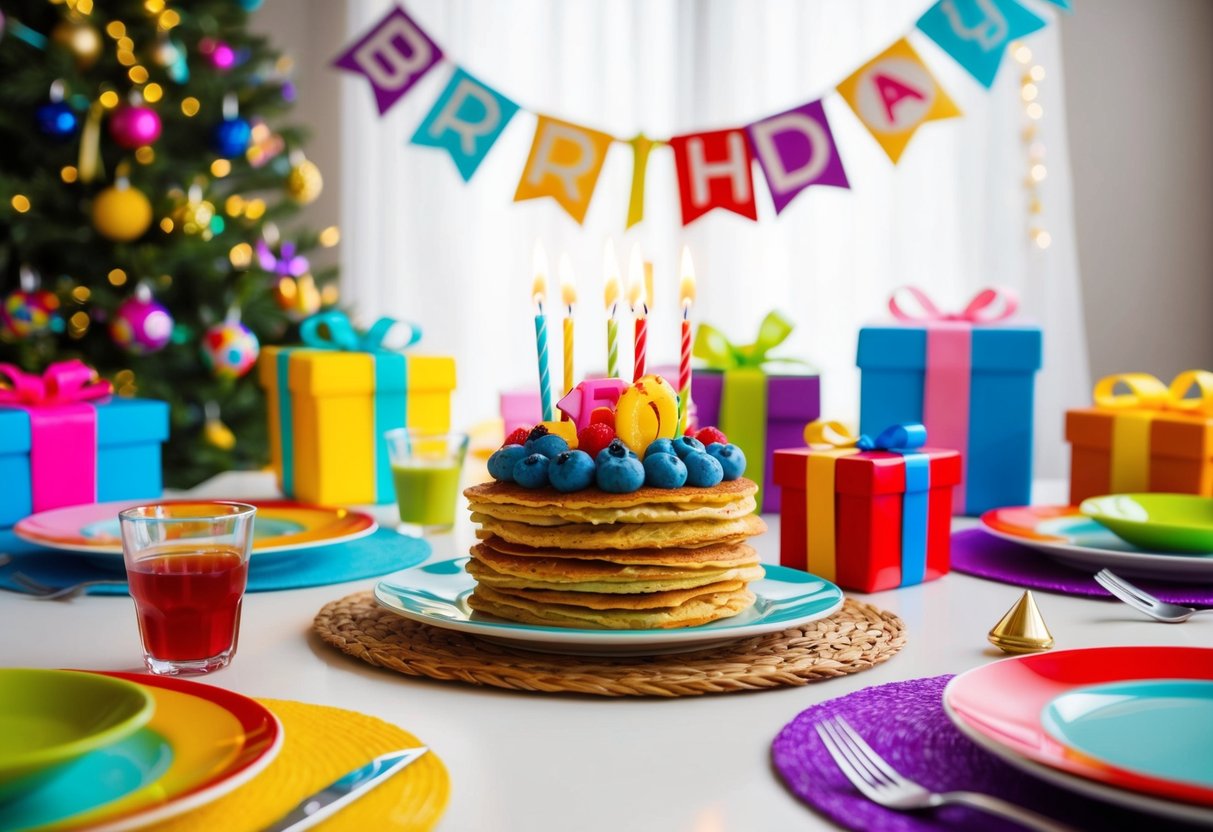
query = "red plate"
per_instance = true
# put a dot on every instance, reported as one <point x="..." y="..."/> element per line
<point x="999" y="706"/>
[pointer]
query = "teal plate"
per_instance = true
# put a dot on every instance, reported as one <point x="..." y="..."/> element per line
<point x="1160" y="728"/>
<point x="94" y="780"/>
<point x="436" y="594"/>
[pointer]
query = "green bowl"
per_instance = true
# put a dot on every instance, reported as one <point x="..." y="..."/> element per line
<point x="50" y="717"/>
<point x="1156" y="522"/>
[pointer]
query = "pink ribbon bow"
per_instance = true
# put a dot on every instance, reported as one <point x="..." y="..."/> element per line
<point x="64" y="382"/>
<point x="986" y="307"/>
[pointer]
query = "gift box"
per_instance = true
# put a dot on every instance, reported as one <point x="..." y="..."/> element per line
<point x="970" y="378"/>
<point x="64" y="441"/>
<point x="1150" y="438"/>
<point x="867" y="514"/>
<point x="760" y="403"/>
<point x="520" y="409"/>
<point x="331" y="402"/>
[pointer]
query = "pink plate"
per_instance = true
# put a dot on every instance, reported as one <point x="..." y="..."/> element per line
<point x="999" y="706"/>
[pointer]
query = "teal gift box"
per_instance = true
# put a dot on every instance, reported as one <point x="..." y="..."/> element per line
<point x="63" y="442"/>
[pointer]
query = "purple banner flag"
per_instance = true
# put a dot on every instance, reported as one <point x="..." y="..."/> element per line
<point x="795" y="150"/>
<point x="393" y="56"/>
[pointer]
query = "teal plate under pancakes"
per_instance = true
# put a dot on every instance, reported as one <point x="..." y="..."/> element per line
<point x="436" y="594"/>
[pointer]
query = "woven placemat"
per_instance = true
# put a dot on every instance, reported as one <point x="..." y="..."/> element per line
<point x="857" y="637"/>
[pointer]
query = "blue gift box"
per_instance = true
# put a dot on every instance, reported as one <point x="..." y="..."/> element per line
<point x="129" y="433"/>
<point x="1002" y="363"/>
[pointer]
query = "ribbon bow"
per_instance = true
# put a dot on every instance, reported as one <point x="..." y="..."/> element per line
<point x="986" y="307"/>
<point x="62" y="383"/>
<point x="1147" y="392"/>
<point x="333" y="330"/>
<point x="900" y="437"/>
<point x="714" y="347"/>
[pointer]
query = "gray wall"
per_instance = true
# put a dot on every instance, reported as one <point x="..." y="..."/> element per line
<point x="1139" y="94"/>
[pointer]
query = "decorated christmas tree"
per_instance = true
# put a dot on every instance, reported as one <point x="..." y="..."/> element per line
<point x="145" y="181"/>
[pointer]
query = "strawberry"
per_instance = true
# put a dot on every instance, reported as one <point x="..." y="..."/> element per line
<point x="709" y="435"/>
<point x="594" y="437"/>
<point x="602" y="416"/>
<point x="518" y="437"/>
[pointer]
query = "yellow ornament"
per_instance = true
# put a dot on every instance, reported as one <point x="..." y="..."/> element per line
<point x="81" y="39"/>
<point x="121" y="213"/>
<point x="219" y="435"/>
<point x="299" y="298"/>
<point x="304" y="182"/>
<point x="646" y="411"/>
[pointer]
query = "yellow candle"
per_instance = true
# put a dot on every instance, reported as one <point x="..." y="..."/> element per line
<point x="610" y="271"/>
<point x="569" y="295"/>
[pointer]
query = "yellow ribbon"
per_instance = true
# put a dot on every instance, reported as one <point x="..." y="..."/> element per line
<point x="829" y="441"/>
<point x="1145" y="398"/>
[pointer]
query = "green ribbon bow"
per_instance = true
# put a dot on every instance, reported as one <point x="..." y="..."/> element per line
<point x="714" y="347"/>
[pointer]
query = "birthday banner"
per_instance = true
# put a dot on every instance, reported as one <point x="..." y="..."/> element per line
<point x="893" y="94"/>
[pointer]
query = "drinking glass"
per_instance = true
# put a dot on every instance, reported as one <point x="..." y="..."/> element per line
<point x="187" y="565"/>
<point x="426" y="468"/>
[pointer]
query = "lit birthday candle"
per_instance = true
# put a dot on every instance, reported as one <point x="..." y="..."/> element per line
<point x="568" y="294"/>
<point x="640" y="312"/>
<point x="539" y="292"/>
<point x="610" y="272"/>
<point x="686" y="292"/>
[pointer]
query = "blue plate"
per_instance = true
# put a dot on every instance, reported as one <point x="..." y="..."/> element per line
<point x="93" y="780"/>
<point x="436" y="594"/>
<point x="1157" y="727"/>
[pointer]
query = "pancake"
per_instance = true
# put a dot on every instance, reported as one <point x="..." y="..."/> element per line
<point x="509" y="493"/>
<point x="626" y="536"/>
<point x="656" y="513"/>
<point x="606" y="601"/>
<point x="713" y="555"/>
<point x="699" y="610"/>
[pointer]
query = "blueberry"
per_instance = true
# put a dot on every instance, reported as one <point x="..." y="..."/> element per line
<point x="730" y="457"/>
<point x="532" y="471"/>
<point x="571" y="471"/>
<point x="615" y="450"/>
<point x="659" y="446"/>
<point x="684" y="445"/>
<point x="703" y="471"/>
<point x="503" y="460"/>
<point x="620" y="474"/>
<point x="664" y="471"/>
<point x="549" y="444"/>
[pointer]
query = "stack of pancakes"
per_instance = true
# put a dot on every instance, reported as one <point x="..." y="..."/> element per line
<point x="655" y="558"/>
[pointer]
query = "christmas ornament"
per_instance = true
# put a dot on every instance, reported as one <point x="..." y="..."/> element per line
<point x="29" y="310"/>
<point x="195" y="215"/>
<point x="169" y="54"/>
<point x="214" y="431"/>
<point x="141" y="325"/>
<point x="223" y="57"/>
<point x="250" y="5"/>
<point x="56" y="119"/>
<point x="299" y="298"/>
<point x="230" y="349"/>
<point x="121" y="213"/>
<point x="134" y="125"/>
<point x="1022" y="629"/>
<point x="231" y="136"/>
<point x="304" y="182"/>
<point x="81" y="39"/>
<point x="266" y="144"/>
<point x="285" y="263"/>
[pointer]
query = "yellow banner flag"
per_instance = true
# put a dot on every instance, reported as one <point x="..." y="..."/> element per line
<point x="641" y="145"/>
<point x="894" y="94"/>
<point x="564" y="164"/>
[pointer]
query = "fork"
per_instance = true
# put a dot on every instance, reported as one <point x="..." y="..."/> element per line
<point x="881" y="783"/>
<point x="41" y="592"/>
<point x="1142" y="601"/>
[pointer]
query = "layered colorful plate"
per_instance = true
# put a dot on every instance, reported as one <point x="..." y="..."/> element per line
<point x="1156" y="522"/>
<point x="201" y="743"/>
<point x="1066" y="535"/>
<point x="436" y="594"/>
<point x="1048" y="714"/>
<point x="281" y="526"/>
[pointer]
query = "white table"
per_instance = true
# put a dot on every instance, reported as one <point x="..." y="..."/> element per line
<point x="537" y="762"/>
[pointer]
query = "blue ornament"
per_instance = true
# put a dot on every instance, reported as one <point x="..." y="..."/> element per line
<point x="231" y="137"/>
<point x="57" y="120"/>
<point x="250" y="5"/>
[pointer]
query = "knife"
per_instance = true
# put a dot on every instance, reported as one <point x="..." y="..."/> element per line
<point x="316" y="807"/>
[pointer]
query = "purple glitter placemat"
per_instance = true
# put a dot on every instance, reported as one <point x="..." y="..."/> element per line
<point x="977" y="552"/>
<point x="906" y="724"/>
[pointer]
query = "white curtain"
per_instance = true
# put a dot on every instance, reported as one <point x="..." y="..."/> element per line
<point x="952" y="217"/>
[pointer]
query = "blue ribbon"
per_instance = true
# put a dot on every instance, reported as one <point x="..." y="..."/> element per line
<point x="333" y="330"/>
<point x="903" y="439"/>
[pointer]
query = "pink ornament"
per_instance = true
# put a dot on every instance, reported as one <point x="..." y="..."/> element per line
<point x="141" y="325"/>
<point x="589" y="394"/>
<point x="133" y="126"/>
<point x="223" y="57"/>
<point x="230" y="349"/>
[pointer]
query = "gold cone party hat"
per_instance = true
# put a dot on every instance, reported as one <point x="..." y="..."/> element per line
<point x="1022" y="629"/>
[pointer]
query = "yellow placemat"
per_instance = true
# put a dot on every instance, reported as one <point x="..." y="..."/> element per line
<point x="320" y="745"/>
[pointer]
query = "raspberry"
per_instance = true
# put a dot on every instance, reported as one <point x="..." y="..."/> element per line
<point x="602" y="416"/>
<point x="518" y="437"/>
<point x="709" y="435"/>
<point x="593" y="438"/>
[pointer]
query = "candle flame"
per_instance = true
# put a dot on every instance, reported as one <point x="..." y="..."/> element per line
<point x="539" y="265"/>
<point x="686" y="288"/>
<point x="568" y="292"/>
<point x="636" y="293"/>
<point x="610" y="273"/>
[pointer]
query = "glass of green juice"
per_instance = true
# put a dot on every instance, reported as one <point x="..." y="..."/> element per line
<point x="426" y="468"/>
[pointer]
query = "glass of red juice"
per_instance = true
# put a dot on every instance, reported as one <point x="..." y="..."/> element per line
<point x="187" y="566"/>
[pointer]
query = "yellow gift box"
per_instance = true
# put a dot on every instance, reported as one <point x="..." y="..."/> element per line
<point x="329" y="409"/>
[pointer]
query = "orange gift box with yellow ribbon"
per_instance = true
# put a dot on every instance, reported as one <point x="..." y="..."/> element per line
<point x="1143" y="435"/>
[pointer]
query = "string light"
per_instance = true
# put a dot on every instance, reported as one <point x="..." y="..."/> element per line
<point x="166" y="225"/>
<point x="330" y="236"/>
<point x="241" y="255"/>
<point x="81" y="293"/>
<point x="234" y="205"/>
<point x="20" y="203"/>
<point x="255" y="209"/>
<point x="220" y="168"/>
<point x="109" y="99"/>
<point x="68" y="173"/>
<point x="138" y="74"/>
<point x="116" y="277"/>
<point x="145" y="155"/>
<point x="1032" y="74"/>
<point x="190" y="106"/>
<point x="152" y="93"/>
<point x="115" y="29"/>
